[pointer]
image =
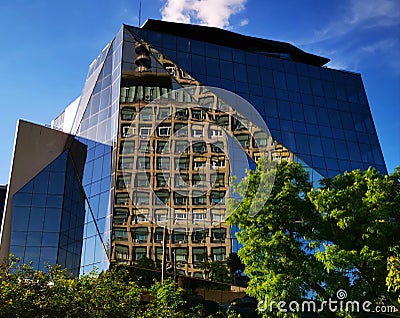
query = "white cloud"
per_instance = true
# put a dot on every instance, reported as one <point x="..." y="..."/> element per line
<point x="362" y="14"/>
<point x="207" y="12"/>
<point x="244" y="22"/>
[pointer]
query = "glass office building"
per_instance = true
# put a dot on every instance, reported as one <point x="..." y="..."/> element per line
<point x="159" y="136"/>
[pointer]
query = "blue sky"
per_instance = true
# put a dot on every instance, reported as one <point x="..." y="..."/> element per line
<point x="47" y="47"/>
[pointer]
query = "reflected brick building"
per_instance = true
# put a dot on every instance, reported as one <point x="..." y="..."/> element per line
<point x="147" y="147"/>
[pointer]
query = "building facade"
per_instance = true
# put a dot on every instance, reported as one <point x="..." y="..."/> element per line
<point x="147" y="150"/>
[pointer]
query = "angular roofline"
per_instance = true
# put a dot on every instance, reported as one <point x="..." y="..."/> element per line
<point x="234" y="40"/>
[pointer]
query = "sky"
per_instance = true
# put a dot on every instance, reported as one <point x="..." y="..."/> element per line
<point x="47" y="47"/>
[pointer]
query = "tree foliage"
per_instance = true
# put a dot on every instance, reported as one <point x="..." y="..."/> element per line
<point x="307" y="242"/>
<point x="25" y="292"/>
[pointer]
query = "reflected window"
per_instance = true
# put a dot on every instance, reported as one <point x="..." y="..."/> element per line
<point x="181" y="180"/>
<point x="200" y="147"/>
<point x="122" y="198"/>
<point x="127" y="147"/>
<point x="199" y="254"/>
<point x="181" y="254"/>
<point x="120" y="215"/>
<point x="138" y="253"/>
<point x="121" y="253"/>
<point x="181" y="146"/>
<point x="128" y="113"/>
<point x="139" y="234"/>
<point x="142" y="180"/>
<point x="180" y="199"/>
<point x="199" y="236"/>
<point x="217" y="197"/>
<point x="163" y="163"/>
<point x="141" y="198"/>
<point x="162" y="196"/>
<point x="218" y="254"/>
<point x="120" y="234"/>
<point x="163" y="147"/>
<point x="218" y="235"/>
<point x="182" y="163"/>
<point x="144" y="146"/>
<point x="143" y="162"/>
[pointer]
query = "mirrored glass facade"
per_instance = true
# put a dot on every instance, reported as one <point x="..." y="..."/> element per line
<point x="159" y="148"/>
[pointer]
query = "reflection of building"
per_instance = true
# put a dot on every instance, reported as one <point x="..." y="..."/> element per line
<point x="141" y="152"/>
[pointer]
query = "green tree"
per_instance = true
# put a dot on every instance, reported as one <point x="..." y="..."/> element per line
<point x="307" y="242"/>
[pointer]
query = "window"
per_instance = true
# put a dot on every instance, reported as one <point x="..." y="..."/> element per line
<point x="121" y="252"/>
<point x="146" y="114"/>
<point x="181" y="180"/>
<point x="261" y="139"/>
<point x="164" y="131"/>
<point x="158" y="235"/>
<point x="161" y="215"/>
<point x="143" y="162"/>
<point x="123" y="181"/>
<point x="120" y="215"/>
<point x="181" y="114"/>
<point x="142" y="180"/>
<point x="218" y="179"/>
<point x="180" y="199"/>
<point x="141" y="198"/>
<point x="122" y="198"/>
<point x="164" y="113"/>
<point x="159" y="253"/>
<point x="199" y="198"/>
<point x="218" y="235"/>
<point x="207" y="102"/>
<point x="180" y="216"/>
<point x="199" y="180"/>
<point x="139" y="234"/>
<point x="240" y="124"/>
<point x="138" y="253"/>
<point x="163" y="163"/>
<point x="223" y="121"/>
<point x="120" y="235"/>
<point x="216" y="132"/>
<point x="182" y="163"/>
<point x="199" y="254"/>
<point x="217" y="216"/>
<point x="217" y="197"/>
<point x="197" y="132"/>
<point x="217" y="147"/>
<point x="181" y="254"/>
<point x="162" y="179"/>
<point x="144" y="132"/>
<point x="125" y="163"/>
<point x="128" y="113"/>
<point x="180" y="130"/>
<point x="127" y="147"/>
<point x="199" y="162"/>
<point x="244" y="140"/>
<point x="144" y="146"/>
<point x="128" y="131"/>
<point x="162" y="197"/>
<point x="179" y="236"/>
<point x="218" y="254"/>
<point x="141" y="216"/>
<point x="200" y="147"/>
<point x="218" y="162"/>
<point x="199" y="236"/>
<point x="199" y="217"/>
<point x="181" y="146"/>
<point x="198" y="114"/>
<point x="163" y="147"/>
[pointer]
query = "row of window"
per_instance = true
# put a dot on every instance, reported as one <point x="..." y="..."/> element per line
<point x="180" y="146"/>
<point x="178" y="236"/>
<point x="179" y="254"/>
<point x="161" y="113"/>
<point x="164" y="180"/>
<point x="198" y="216"/>
<point x="164" y="163"/>
<point x="163" y="197"/>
